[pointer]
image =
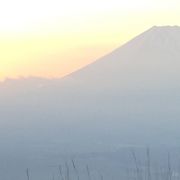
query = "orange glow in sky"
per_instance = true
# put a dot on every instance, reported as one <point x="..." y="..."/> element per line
<point x="51" y="38"/>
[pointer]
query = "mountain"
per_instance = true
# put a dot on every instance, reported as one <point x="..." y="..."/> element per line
<point x="129" y="97"/>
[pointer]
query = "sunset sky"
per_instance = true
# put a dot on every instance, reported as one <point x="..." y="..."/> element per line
<point x="51" y="38"/>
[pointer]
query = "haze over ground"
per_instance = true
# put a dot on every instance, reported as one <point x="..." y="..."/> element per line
<point x="133" y="88"/>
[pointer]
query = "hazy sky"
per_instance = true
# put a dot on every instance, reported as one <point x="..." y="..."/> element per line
<point x="53" y="37"/>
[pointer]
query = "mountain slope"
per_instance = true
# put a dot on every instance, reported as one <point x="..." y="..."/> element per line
<point x="129" y="97"/>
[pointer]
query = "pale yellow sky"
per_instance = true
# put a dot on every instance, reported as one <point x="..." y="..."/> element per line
<point x="52" y="38"/>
